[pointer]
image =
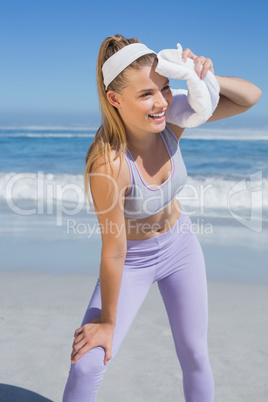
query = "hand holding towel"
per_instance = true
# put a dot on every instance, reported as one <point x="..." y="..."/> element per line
<point x="193" y="107"/>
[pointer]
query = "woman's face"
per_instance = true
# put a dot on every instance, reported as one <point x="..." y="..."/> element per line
<point x="144" y="102"/>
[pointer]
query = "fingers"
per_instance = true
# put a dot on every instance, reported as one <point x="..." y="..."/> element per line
<point x="90" y="336"/>
<point x="199" y="61"/>
<point x="108" y="354"/>
<point x="80" y="350"/>
<point x="187" y="53"/>
<point x="79" y="335"/>
<point x="78" y="331"/>
<point x="207" y="66"/>
<point x="78" y="343"/>
<point x="81" y="345"/>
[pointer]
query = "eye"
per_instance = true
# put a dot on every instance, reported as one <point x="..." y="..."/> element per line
<point x="146" y="94"/>
<point x="166" y="88"/>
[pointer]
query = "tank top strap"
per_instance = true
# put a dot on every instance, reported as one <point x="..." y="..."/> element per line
<point x="131" y="172"/>
<point x="171" y="138"/>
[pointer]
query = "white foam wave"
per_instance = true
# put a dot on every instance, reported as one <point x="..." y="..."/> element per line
<point x="211" y="196"/>
<point x="216" y="196"/>
<point x="249" y="134"/>
<point x="38" y="186"/>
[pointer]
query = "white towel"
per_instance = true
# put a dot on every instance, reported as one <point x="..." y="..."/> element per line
<point x="193" y="107"/>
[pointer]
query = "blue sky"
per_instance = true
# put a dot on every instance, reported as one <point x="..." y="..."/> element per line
<point x="49" y="51"/>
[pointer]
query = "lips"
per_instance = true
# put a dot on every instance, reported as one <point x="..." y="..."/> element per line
<point x="157" y="115"/>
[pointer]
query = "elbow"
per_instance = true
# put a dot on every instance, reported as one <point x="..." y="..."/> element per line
<point x="116" y="254"/>
<point x="258" y="94"/>
<point x="254" y="96"/>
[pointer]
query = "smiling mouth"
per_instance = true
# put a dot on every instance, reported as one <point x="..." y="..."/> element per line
<point x="157" y="115"/>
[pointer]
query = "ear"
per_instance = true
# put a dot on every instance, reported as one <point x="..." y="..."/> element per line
<point x="114" y="99"/>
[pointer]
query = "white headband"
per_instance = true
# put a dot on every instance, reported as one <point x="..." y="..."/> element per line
<point x="121" y="59"/>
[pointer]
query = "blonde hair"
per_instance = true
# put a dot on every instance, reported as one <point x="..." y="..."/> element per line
<point x="111" y="134"/>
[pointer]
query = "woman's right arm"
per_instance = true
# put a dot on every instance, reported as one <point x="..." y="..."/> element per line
<point x="109" y="207"/>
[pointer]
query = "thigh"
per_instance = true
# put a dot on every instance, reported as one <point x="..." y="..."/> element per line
<point x="184" y="293"/>
<point x="135" y="285"/>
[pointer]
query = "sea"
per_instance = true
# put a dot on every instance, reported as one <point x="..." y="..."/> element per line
<point x="48" y="225"/>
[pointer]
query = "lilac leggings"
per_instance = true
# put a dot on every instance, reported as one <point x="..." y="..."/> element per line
<point x="175" y="260"/>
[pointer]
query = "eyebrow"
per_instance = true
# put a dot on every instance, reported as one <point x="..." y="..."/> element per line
<point x="151" y="89"/>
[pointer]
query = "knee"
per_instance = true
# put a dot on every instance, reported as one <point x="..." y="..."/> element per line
<point x="195" y="357"/>
<point x="85" y="376"/>
<point x="199" y="360"/>
<point x="90" y="365"/>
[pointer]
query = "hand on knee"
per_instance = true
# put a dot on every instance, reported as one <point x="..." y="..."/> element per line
<point x="87" y="337"/>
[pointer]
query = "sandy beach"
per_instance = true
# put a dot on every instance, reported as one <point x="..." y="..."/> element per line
<point x="40" y="311"/>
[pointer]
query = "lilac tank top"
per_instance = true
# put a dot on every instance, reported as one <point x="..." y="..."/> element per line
<point x="143" y="200"/>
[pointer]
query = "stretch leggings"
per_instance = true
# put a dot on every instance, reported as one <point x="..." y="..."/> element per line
<point x="175" y="260"/>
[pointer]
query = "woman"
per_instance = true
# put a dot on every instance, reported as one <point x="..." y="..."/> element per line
<point x="135" y="169"/>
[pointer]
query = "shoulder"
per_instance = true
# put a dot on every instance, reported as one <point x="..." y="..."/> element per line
<point x="176" y="130"/>
<point x="101" y="167"/>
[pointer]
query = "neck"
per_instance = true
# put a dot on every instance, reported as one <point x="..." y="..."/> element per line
<point x="141" y="143"/>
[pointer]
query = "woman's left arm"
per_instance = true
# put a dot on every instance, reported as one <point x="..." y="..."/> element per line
<point x="236" y="96"/>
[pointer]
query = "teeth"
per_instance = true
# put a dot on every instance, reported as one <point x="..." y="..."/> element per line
<point x="158" y="114"/>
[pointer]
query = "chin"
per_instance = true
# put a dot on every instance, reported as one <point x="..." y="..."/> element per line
<point x="160" y="126"/>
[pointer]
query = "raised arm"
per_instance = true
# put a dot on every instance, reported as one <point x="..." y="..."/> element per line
<point x="236" y="96"/>
<point x="109" y="210"/>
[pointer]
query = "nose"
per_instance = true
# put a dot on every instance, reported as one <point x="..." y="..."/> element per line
<point x="160" y="100"/>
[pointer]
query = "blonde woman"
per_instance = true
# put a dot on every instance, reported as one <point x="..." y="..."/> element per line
<point x="135" y="169"/>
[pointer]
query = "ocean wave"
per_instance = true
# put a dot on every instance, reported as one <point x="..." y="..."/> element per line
<point x="234" y="134"/>
<point x="207" y="195"/>
<point x="48" y="128"/>
<point x="46" y="135"/>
